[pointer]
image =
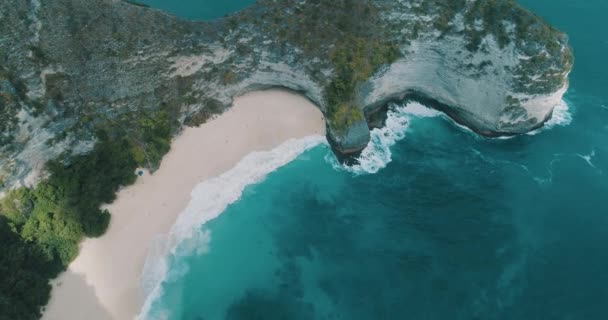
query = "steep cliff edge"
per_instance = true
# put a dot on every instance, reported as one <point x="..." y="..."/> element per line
<point x="90" y="89"/>
<point x="70" y="69"/>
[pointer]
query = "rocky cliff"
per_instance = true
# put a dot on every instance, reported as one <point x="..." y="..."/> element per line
<point x="71" y="70"/>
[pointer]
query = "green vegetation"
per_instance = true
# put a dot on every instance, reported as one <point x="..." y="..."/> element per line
<point x="354" y="60"/>
<point x="481" y="18"/>
<point x="511" y="101"/>
<point x="24" y="274"/>
<point x="229" y="77"/>
<point x="56" y="83"/>
<point x="343" y="116"/>
<point x="152" y="138"/>
<point x="492" y="14"/>
<point x="443" y="10"/>
<point x="347" y="33"/>
<point x="211" y="108"/>
<point x="41" y="227"/>
<point x="508" y="23"/>
<point x="38" y="55"/>
<point x="550" y="80"/>
<point x="45" y="224"/>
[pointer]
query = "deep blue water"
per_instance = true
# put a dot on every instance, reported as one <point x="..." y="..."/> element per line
<point x="455" y="227"/>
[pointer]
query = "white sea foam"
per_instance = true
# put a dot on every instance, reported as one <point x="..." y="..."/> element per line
<point x="377" y="155"/>
<point x="208" y="200"/>
<point x="588" y="158"/>
<point x="419" y="110"/>
<point x="561" y="116"/>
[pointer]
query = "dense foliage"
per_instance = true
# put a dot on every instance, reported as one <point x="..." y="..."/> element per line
<point x="507" y="23"/>
<point x="41" y="227"/>
<point x="358" y="46"/>
<point x="24" y="274"/>
<point x="355" y="60"/>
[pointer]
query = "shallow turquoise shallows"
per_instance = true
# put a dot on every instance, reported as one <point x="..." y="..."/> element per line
<point x="454" y="227"/>
<point x="199" y="9"/>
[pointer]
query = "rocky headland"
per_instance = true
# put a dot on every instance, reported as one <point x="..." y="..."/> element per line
<point x="70" y="68"/>
<point x="91" y="89"/>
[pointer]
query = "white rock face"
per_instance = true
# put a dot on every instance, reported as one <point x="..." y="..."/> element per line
<point x="188" y="65"/>
<point x="541" y="106"/>
<point x="26" y="167"/>
<point x="282" y="75"/>
<point x="474" y="86"/>
<point x="267" y="75"/>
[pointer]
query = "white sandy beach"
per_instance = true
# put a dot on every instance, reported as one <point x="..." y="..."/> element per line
<point x="104" y="281"/>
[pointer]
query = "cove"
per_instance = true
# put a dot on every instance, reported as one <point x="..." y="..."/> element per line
<point x="451" y="225"/>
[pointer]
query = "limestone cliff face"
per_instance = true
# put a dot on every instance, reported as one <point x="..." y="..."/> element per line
<point x="71" y="67"/>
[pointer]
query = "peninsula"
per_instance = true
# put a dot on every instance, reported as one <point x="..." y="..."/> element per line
<point x="91" y="90"/>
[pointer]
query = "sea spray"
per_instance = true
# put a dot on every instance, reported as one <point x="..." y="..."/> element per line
<point x="377" y="155"/>
<point x="562" y="116"/>
<point x="208" y="200"/>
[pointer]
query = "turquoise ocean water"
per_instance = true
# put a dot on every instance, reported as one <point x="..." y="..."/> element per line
<point x="451" y="225"/>
<point x="199" y="9"/>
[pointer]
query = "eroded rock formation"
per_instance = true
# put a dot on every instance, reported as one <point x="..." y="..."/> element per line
<point x="70" y="68"/>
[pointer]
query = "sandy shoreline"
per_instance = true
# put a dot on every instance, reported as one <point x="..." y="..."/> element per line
<point x="103" y="282"/>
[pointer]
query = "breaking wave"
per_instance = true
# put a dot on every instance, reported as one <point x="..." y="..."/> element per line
<point x="562" y="116"/>
<point x="377" y="155"/>
<point x="208" y="200"/>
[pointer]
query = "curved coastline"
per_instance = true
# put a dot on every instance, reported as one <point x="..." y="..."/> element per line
<point x="196" y="68"/>
<point x="209" y="199"/>
<point x="106" y="275"/>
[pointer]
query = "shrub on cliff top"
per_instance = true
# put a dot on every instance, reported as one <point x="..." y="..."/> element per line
<point x="345" y="31"/>
<point x="343" y="116"/>
<point x="355" y="60"/>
